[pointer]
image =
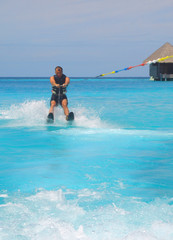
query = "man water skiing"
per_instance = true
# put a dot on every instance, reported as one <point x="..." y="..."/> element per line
<point x="59" y="83"/>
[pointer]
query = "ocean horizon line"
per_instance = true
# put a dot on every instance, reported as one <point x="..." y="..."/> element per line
<point x="74" y="77"/>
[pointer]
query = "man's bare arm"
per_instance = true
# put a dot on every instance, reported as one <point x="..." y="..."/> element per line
<point x="52" y="81"/>
<point x="67" y="81"/>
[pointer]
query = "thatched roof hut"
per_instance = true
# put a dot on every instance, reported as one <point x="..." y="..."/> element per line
<point x="162" y="70"/>
<point x="163" y="51"/>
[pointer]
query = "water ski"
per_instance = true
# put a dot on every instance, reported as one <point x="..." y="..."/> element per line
<point x="50" y="118"/>
<point x="70" y="117"/>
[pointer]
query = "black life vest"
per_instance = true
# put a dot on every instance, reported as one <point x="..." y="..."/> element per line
<point x="60" y="80"/>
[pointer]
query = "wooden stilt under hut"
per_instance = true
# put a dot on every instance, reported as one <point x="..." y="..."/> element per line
<point x="161" y="71"/>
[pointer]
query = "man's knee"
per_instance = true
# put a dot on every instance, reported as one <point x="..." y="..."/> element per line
<point x="53" y="103"/>
<point x="64" y="103"/>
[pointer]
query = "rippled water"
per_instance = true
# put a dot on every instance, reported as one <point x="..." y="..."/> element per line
<point x="107" y="176"/>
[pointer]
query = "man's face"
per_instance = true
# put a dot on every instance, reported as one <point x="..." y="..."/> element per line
<point x="58" y="72"/>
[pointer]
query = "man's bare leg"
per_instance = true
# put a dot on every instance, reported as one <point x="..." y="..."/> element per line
<point x="52" y="105"/>
<point x="50" y="117"/>
<point x="65" y="108"/>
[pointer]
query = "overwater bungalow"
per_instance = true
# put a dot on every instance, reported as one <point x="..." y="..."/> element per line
<point x="161" y="71"/>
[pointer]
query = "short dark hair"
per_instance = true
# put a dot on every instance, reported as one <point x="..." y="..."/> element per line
<point x="59" y="67"/>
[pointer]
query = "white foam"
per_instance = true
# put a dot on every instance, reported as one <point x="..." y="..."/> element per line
<point x="162" y="229"/>
<point x="88" y="193"/>
<point x="3" y="195"/>
<point x="28" y="113"/>
<point x="87" y="121"/>
<point x="53" y="196"/>
<point x="34" y="113"/>
<point x="140" y="235"/>
<point x="54" y="215"/>
<point x="87" y="118"/>
<point x="106" y="129"/>
<point x="120" y="210"/>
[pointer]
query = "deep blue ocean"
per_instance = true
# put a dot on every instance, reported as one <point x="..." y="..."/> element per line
<point x="106" y="176"/>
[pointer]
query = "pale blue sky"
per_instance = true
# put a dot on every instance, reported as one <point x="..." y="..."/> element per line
<point x="85" y="37"/>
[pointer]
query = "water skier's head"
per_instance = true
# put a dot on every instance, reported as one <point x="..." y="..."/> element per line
<point x="59" y="71"/>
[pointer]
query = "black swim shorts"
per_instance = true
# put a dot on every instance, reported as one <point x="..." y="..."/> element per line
<point x="58" y="98"/>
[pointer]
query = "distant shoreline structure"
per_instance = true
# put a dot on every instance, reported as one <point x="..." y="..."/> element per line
<point x="161" y="70"/>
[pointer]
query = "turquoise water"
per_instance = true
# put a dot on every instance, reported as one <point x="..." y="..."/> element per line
<point x="107" y="176"/>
